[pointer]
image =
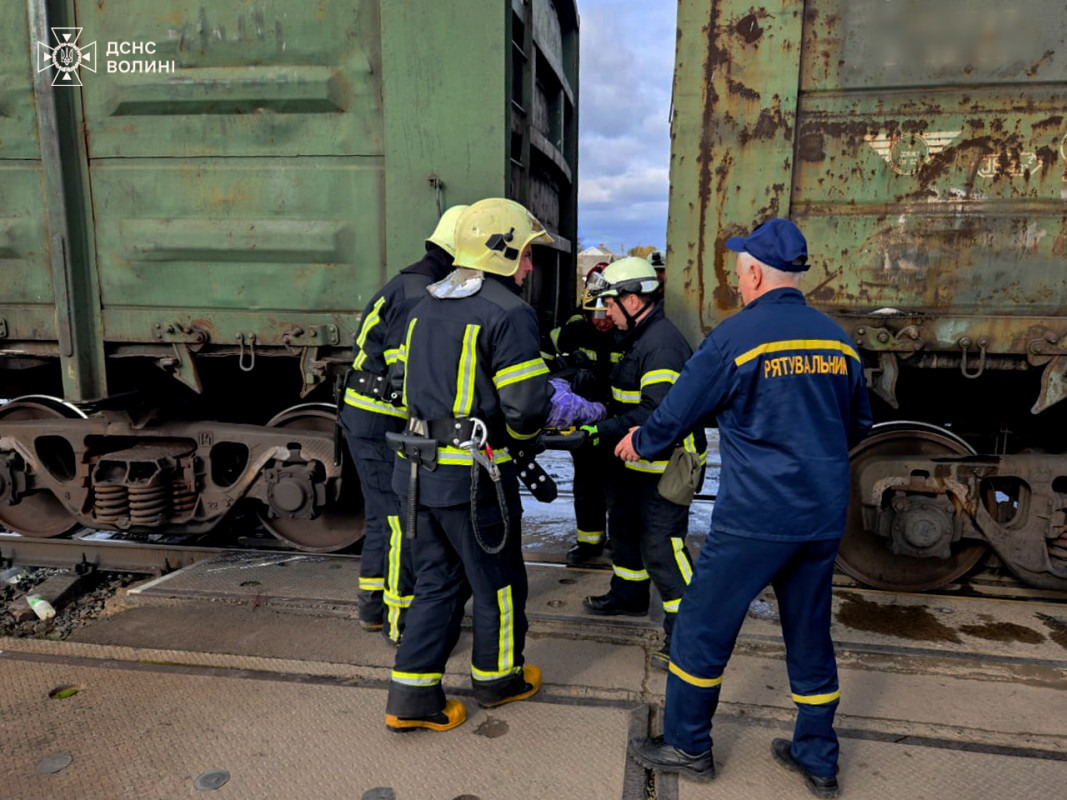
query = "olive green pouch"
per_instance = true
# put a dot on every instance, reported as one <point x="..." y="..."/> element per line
<point x="682" y="477"/>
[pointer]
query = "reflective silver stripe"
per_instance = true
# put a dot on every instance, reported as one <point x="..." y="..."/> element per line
<point x="376" y="406"/>
<point x="393" y="577"/>
<point x="506" y="643"/>
<point x="681" y="558"/>
<point x="368" y="324"/>
<point x="646" y="466"/>
<point x="392" y="355"/>
<point x="468" y="360"/>
<point x="520" y="372"/>
<point x="417" y="678"/>
<point x="630" y="574"/>
<point x="492" y="675"/>
<point x="658" y="376"/>
<point x="371" y="584"/>
<point x="590" y="537"/>
<point x="398" y="600"/>
<point x="453" y="456"/>
<point x="616" y="358"/>
<point x="586" y="351"/>
<point x="671" y="606"/>
<point x="625" y="396"/>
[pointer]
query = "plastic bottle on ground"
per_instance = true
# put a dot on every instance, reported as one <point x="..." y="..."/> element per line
<point x="41" y="607"/>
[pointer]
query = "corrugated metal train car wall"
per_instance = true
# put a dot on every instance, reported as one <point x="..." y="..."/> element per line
<point x="217" y="200"/>
<point x="922" y="148"/>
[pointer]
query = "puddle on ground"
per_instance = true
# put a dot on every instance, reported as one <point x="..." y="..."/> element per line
<point x="1003" y="632"/>
<point x="1058" y="626"/>
<point x="904" y="622"/>
<point x="492" y="728"/>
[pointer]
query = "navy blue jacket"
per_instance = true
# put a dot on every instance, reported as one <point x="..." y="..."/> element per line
<point x="786" y="387"/>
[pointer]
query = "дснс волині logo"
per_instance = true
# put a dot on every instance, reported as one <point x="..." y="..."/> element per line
<point x="66" y="56"/>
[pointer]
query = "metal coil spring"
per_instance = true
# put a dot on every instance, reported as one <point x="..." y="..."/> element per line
<point x="148" y="504"/>
<point x="182" y="499"/>
<point x="111" y="503"/>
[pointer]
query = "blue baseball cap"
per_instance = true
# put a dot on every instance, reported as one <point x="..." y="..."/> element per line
<point x="777" y="243"/>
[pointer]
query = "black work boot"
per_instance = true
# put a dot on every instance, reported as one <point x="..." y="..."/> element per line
<point x="520" y="686"/>
<point x="371" y="610"/>
<point x="827" y="788"/>
<point x="607" y="605"/>
<point x="656" y="754"/>
<point x="583" y="553"/>
<point x="661" y="659"/>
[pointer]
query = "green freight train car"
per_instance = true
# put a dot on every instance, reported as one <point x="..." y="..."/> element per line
<point x="197" y="201"/>
<point x="922" y="148"/>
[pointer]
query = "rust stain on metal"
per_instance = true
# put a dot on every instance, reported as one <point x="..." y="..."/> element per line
<point x="749" y="28"/>
<point x="1048" y="54"/>
<point x="715" y="56"/>
<point x="738" y="88"/>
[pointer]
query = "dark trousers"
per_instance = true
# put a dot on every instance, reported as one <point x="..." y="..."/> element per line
<point x="450" y="567"/>
<point x="648" y="540"/>
<point x="386" y="576"/>
<point x="730" y="572"/>
<point x="591" y="471"/>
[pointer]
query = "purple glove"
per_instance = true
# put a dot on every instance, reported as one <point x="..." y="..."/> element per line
<point x="570" y="409"/>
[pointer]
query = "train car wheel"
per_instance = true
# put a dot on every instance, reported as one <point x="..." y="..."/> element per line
<point x="339" y="525"/>
<point x="40" y="514"/>
<point x="864" y="555"/>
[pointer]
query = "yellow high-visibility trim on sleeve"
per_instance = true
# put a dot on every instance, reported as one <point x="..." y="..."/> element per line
<point x="671" y="606"/>
<point x="616" y="357"/>
<point x="520" y="372"/>
<point x="522" y="437"/>
<point x="817" y="699"/>
<point x="407" y="350"/>
<point x="703" y="683"/>
<point x="417" y="678"/>
<point x="796" y="344"/>
<point x="368" y="324"/>
<point x="651" y="467"/>
<point x="625" y="396"/>
<point x="392" y="355"/>
<point x="658" y="376"/>
<point x="590" y="354"/>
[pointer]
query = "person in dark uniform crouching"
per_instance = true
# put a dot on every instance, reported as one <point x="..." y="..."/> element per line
<point x="474" y="382"/>
<point x="371" y="408"/>
<point x="647" y="530"/>
<point x="787" y="388"/>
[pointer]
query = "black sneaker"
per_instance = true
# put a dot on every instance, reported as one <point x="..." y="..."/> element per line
<point x="827" y="788"/>
<point x="605" y="605"/>
<point x="656" y="754"/>
<point x="661" y="659"/>
<point x="583" y="552"/>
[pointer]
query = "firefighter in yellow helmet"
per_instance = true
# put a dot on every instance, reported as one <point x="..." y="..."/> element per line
<point x="474" y="383"/>
<point x="370" y="409"/>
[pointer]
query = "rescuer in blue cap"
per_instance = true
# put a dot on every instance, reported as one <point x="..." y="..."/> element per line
<point x="786" y="388"/>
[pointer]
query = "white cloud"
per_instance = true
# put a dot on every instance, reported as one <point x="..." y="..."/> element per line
<point x="627" y="57"/>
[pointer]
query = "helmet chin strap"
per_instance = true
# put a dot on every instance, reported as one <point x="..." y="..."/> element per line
<point x="631" y="319"/>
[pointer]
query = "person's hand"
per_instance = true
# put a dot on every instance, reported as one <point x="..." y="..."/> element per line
<point x="625" y="448"/>
<point x="592" y="435"/>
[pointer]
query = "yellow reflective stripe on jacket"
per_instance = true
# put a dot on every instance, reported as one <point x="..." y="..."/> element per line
<point x="398" y="600"/>
<point x="554" y="336"/>
<point x="417" y="678"/>
<point x="590" y="537"/>
<point x="630" y="574"/>
<point x="468" y="362"/>
<point x="671" y="606"/>
<point x="796" y="344"/>
<point x="658" y="376"/>
<point x="703" y="683"/>
<point x="616" y="357"/>
<point x="372" y="319"/>
<point x="353" y="398"/>
<point x="393" y="355"/>
<point x="371" y="584"/>
<point x="455" y="457"/>
<point x="520" y="372"/>
<point x="817" y="699"/>
<point x="681" y="558"/>
<point x="659" y="466"/>
<point x="625" y="396"/>
<point x="406" y="350"/>
<point x="591" y="354"/>
<point x="514" y="434"/>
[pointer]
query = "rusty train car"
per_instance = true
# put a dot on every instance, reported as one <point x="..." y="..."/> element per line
<point x="197" y="201"/>
<point x="922" y="148"/>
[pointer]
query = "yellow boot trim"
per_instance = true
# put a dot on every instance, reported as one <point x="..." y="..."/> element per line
<point x="454" y="710"/>
<point x="530" y="674"/>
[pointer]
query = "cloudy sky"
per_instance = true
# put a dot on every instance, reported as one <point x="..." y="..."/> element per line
<point x="626" y="63"/>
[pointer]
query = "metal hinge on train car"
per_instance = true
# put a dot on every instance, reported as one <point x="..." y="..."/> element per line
<point x="312" y="336"/>
<point x="906" y="342"/>
<point x="177" y="333"/>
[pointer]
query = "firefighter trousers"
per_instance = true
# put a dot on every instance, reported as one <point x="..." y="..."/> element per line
<point x="450" y="567"/>
<point x="730" y="572"/>
<point x="591" y="470"/>
<point x="648" y="540"/>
